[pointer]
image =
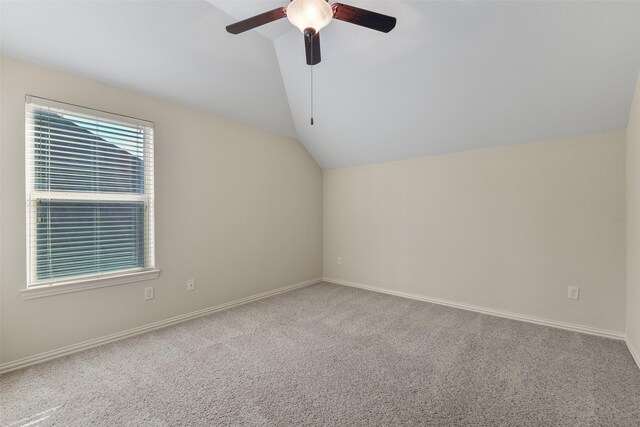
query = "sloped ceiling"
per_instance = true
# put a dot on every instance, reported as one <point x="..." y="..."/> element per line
<point x="451" y="76"/>
<point x="173" y="50"/>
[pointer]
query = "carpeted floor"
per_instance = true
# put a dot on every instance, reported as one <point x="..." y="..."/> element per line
<point x="332" y="355"/>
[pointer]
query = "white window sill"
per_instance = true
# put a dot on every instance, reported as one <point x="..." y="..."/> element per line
<point x="76" y="285"/>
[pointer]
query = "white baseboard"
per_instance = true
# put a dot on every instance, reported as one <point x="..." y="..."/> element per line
<point x="64" y="351"/>
<point x="633" y="351"/>
<point x="485" y="310"/>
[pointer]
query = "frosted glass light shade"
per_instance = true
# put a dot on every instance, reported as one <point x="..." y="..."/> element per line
<point x="305" y="14"/>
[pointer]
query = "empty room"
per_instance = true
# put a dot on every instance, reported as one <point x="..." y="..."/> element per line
<point x="309" y="212"/>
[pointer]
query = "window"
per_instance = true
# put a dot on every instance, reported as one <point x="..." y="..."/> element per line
<point x="89" y="191"/>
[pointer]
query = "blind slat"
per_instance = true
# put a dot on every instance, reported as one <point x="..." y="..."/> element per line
<point x="44" y="142"/>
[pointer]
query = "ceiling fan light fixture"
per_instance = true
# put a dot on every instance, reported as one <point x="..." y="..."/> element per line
<point x="304" y="14"/>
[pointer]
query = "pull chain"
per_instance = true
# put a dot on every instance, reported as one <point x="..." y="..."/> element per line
<point x="309" y="33"/>
<point x="311" y="97"/>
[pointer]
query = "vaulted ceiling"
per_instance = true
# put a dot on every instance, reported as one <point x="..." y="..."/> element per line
<point x="451" y="76"/>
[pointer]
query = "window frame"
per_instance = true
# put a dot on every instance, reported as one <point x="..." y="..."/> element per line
<point x="51" y="286"/>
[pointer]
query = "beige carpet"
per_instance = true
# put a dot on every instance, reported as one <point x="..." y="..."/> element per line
<point x="332" y="355"/>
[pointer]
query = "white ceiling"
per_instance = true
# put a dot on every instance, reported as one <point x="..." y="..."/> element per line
<point x="174" y="50"/>
<point x="451" y="76"/>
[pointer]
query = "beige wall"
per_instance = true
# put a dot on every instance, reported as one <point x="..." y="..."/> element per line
<point x="503" y="228"/>
<point x="238" y="209"/>
<point x="633" y="225"/>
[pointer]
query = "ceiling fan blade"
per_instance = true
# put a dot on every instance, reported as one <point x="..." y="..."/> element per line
<point x="363" y="17"/>
<point x="312" y="47"/>
<point x="256" y="21"/>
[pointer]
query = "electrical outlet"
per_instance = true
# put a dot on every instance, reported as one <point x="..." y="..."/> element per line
<point x="574" y="292"/>
<point x="339" y="260"/>
<point x="191" y="284"/>
<point x="148" y="293"/>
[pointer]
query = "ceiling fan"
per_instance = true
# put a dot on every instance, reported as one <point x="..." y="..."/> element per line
<point x="312" y="15"/>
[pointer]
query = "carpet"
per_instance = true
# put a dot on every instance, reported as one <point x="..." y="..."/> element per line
<point x="333" y="355"/>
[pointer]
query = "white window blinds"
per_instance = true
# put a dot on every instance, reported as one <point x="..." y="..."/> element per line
<point x="89" y="184"/>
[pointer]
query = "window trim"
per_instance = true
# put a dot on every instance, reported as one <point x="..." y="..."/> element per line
<point x="35" y="288"/>
<point x="92" y="281"/>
